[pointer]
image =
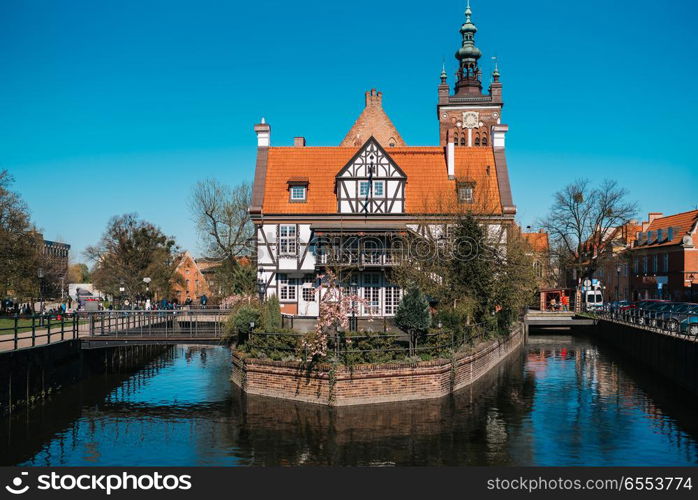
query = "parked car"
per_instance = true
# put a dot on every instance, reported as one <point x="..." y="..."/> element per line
<point x="644" y="309"/>
<point x="667" y="315"/>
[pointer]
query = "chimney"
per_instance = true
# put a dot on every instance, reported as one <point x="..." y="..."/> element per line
<point x="299" y="142"/>
<point x="263" y="131"/>
<point x="498" y="136"/>
<point x="374" y="98"/>
<point x="650" y="218"/>
<point x="451" y="154"/>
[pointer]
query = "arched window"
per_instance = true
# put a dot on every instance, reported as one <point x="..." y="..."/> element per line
<point x="477" y="139"/>
<point x="462" y="140"/>
<point x="484" y="138"/>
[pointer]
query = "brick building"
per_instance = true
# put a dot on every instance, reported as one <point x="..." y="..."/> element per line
<point x="664" y="258"/>
<point x="195" y="281"/>
<point x="375" y="188"/>
<point x="612" y="266"/>
<point x="540" y="252"/>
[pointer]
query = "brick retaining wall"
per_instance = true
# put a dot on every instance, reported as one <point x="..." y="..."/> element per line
<point x="374" y="383"/>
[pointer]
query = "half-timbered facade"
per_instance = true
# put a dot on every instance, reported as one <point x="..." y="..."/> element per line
<point x="354" y="205"/>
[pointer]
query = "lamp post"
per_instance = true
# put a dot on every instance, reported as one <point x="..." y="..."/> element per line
<point x="618" y="283"/>
<point x="147" y="288"/>
<point x="40" y="275"/>
<point x="261" y="288"/>
<point x="354" y="291"/>
<point x="122" y="289"/>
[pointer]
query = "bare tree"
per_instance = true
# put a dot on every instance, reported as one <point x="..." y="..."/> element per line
<point x="222" y="218"/>
<point x="583" y="219"/>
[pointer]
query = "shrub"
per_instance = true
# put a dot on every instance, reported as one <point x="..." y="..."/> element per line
<point x="280" y="346"/>
<point x="271" y="315"/>
<point x="369" y="347"/>
<point x="412" y="314"/>
<point x="239" y="321"/>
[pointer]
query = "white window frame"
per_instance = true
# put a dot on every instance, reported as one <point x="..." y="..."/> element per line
<point x="361" y="188"/>
<point x="287" y="288"/>
<point x="469" y="194"/>
<point x="288" y="244"/>
<point x="375" y="193"/>
<point x="303" y="191"/>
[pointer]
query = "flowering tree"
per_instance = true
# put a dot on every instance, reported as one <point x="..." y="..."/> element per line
<point x="336" y="305"/>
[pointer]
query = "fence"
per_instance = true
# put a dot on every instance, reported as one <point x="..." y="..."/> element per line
<point x="38" y="329"/>
<point x="186" y="323"/>
<point x="669" y="323"/>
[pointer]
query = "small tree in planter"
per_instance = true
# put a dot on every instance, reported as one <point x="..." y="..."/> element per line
<point x="336" y="306"/>
<point x="413" y="315"/>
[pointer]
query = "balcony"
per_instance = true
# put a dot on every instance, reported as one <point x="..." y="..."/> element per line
<point x="364" y="258"/>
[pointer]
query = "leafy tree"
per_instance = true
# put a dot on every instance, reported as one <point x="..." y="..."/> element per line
<point x="130" y="250"/>
<point x="78" y="273"/>
<point x="20" y="257"/>
<point x="412" y="314"/>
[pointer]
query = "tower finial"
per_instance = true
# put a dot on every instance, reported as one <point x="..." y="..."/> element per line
<point x="444" y="76"/>
<point x="495" y="73"/>
<point x="468" y="12"/>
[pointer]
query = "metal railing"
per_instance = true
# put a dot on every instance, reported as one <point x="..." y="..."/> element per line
<point x="183" y="323"/>
<point x="37" y="329"/>
<point x="43" y="329"/>
<point x="665" y="322"/>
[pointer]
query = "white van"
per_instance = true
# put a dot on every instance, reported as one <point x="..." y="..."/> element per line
<point x="593" y="300"/>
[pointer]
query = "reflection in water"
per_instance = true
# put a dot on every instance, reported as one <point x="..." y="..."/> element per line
<point x="562" y="401"/>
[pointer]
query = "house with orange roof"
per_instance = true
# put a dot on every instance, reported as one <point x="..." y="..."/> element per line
<point x="539" y="243"/>
<point x="194" y="282"/>
<point x="664" y="258"/>
<point x="316" y="207"/>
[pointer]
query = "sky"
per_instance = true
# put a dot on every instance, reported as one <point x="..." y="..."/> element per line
<point x="113" y="107"/>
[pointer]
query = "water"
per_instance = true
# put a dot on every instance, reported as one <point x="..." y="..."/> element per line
<point x="563" y="401"/>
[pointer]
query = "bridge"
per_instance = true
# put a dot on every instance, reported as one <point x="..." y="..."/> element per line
<point x="113" y="328"/>
<point x="555" y="320"/>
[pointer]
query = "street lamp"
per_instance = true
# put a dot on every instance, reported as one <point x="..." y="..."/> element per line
<point x="354" y="291"/>
<point x="122" y="289"/>
<point x="261" y="288"/>
<point x="618" y="283"/>
<point x="40" y="275"/>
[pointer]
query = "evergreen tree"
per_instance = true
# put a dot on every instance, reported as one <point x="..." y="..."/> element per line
<point x="472" y="267"/>
<point x="412" y="314"/>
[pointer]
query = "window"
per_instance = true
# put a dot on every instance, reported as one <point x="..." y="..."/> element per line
<point x="364" y="188"/>
<point x="378" y="188"/>
<point x="666" y="262"/>
<point x="655" y="263"/>
<point x="465" y="193"/>
<point x="644" y="264"/>
<point x="636" y="265"/>
<point x="484" y="140"/>
<point x="287" y="288"/>
<point x="393" y="295"/>
<point x="372" y="294"/>
<point x="287" y="239"/>
<point x="477" y="140"/>
<point x="462" y="140"/>
<point x="309" y="294"/>
<point x="298" y="192"/>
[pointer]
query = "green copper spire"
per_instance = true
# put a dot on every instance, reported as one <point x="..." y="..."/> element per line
<point x="444" y="76"/>
<point x="468" y="55"/>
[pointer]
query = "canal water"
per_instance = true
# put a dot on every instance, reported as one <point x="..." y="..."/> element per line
<point x="563" y="401"/>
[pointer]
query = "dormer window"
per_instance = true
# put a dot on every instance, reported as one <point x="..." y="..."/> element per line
<point x="466" y="191"/>
<point x="298" y="193"/>
<point x="298" y="189"/>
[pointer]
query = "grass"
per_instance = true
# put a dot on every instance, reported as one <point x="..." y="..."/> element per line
<point x="7" y="325"/>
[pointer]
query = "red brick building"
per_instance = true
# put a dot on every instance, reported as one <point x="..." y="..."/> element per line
<point x="195" y="281"/>
<point x="664" y="258"/>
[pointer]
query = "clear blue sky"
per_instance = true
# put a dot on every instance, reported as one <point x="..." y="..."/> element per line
<point x="112" y="107"/>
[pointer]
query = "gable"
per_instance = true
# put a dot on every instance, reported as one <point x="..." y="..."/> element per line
<point x="371" y="161"/>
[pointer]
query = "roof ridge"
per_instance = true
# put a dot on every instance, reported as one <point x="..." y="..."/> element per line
<point x="677" y="214"/>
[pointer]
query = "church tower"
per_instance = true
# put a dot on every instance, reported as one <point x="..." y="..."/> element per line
<point x="468" y="117"/>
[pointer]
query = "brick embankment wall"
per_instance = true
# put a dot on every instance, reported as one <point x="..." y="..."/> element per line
<point x="370" y="383"/>
<point x="675" y="358"/>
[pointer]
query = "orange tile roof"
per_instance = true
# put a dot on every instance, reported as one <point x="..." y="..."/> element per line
<point x="538" y="241"/>
<point x="428" y="188"/>
<point x="683" y="223"/>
